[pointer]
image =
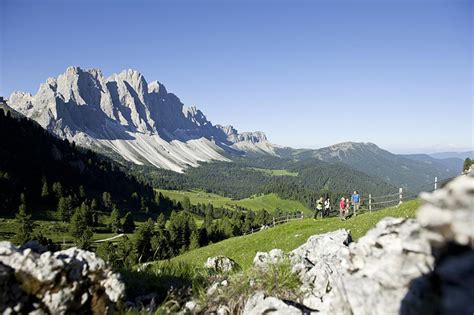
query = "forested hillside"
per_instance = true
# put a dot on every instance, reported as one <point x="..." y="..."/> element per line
<point x="244" y="177"/>
<point x="408" y="172"/>
<point x="46" y="173"/>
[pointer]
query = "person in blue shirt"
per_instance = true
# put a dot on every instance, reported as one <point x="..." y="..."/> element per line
<point x="355" y="201"/>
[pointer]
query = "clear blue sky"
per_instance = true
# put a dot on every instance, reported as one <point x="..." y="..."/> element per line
<point x="308" y="73"/>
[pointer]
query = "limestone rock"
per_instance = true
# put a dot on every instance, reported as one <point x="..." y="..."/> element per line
<point x="71" y="280"/>
<point x="262" y="260"/>
<point x="260" y="304"/>
<point x="447" y="218"/>
<point x="448" y="213"/>
<point x="220" y="264"/>
<point x="392" y="247"/>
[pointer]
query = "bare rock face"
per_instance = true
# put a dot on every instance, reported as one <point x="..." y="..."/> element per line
<point x="68" y="281"/>
<point x="379" y="269"/>
<point x="124" y="115"/>
<point x="447" y="216"/>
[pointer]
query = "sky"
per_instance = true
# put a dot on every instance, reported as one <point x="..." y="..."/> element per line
<point x="397" y="73"/>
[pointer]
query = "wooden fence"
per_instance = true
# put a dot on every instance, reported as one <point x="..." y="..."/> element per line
<point x="279" y="220"/>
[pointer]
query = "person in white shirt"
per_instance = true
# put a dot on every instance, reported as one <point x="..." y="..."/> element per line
<point x="327" y="207"/>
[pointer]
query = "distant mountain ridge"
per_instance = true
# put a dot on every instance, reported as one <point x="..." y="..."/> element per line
<point x="450" y="164"/>
<point x="457" y="155"/>
<point x="141" y="122"/>
<point x="401" y="171"/>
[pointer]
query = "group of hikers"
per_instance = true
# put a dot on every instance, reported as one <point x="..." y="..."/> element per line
<point x="323" y="206"/>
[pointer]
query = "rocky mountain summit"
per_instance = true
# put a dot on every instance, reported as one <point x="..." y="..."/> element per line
<point x="401" y="266"/>
<point x="142" y="122"/>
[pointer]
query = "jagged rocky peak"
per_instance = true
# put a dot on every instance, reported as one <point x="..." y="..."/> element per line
<point x="228" y="130"/>
<point x="234" y="136"/>
<point x="195" y="115"/>
<point x="52" y="83"/>
<point x="133" y="79"/>
<point x="156" y="87"/>
<point x="114" y="114"/>
<point x="254" y="137"/>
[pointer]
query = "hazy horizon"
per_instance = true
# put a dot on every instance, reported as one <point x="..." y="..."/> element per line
<point x="308" y="74"/>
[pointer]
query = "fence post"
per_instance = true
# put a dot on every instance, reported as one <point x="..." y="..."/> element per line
<point x="287" y="217"/>
<point x="302" y="215"/>
<point x="370" y="202"/>
<point x="251" y="230"/>
<point x="436" y="183"/>
<point x="273" y="221"/>
<point x="400" y="192"/>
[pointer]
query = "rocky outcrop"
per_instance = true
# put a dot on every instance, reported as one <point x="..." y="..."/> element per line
<point x="261" y="304"/>
<point x="447" y="214"/>
<point x="68" y="281"/>
<point x="221" y="264"/>
<point x="263" y="259"/>
<point x="124" y="115"/>
<point x="447" y="217"/>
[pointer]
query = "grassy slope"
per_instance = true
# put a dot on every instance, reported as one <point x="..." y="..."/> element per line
<point x="268" y="202"/>
<point x="291" y="235"/>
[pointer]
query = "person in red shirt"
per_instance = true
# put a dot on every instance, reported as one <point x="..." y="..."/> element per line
<point x="342" y="208"/>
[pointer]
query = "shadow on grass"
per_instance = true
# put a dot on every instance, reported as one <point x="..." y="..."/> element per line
<point x="162" y="281"/>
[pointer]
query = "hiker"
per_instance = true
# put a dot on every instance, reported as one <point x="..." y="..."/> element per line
<point x="342" y="208"/>
<point x="348" y="207"/>
<point x="355" y="201"/>
<point x="327" y="207"/>
<point x="319" y="208"/>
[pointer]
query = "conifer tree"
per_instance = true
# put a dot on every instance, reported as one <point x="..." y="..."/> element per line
<point x="87" y="213"/>
<point x="64" y="209"/>
<point x="467" y="164"/>
<point x="194" y="239"/>
<point x="58" y="189"/>
<point x="79" y="229"/>
<point x="82" y="192"/>
<point x="25" y="224"/>
<point x="186" y="204"/>
<point x="106" y="199"/>
<point x="115" y="224"/>
<point x="44" y="188"/>
<point x="142" y="241"/>
<point x="160" y="242"/>
<point x="161" y="221"/>
<point x="128" y="223"/>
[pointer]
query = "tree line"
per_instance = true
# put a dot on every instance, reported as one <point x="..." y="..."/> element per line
<point x="54" y="173"/>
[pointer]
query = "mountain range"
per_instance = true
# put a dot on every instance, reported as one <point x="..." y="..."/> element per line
<point x="132" y="120"/>
<point x="453" y="155"/>
<point x="126" y="116"/>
